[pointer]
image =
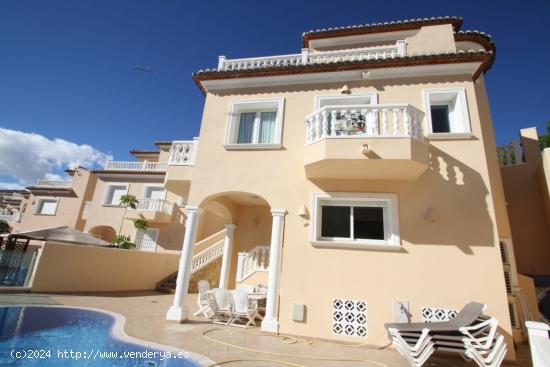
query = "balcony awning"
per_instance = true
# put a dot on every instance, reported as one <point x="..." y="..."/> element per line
<point x="64" y="235"/>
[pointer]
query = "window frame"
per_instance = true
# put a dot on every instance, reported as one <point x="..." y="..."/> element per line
<point x="462" y="114"/>
<point x="258" y="106"/>
<point x="373" y="99"/>
<point x="390" y="216"/>
<point x="155" y="186"/>
<point x="106" y="194"/>
<point x="39" y="205"/>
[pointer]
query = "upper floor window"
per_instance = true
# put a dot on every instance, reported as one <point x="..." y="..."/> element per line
<point x="255" y="124"/>
<point x="355" y="220"/>
<point x="446" y="111"/>
<point x="114" y="192"/>
<point x="46" y="206"/>
<point x="154" y="192"/>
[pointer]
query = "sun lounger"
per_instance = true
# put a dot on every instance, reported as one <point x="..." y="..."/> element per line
<point x="470" y="333"/>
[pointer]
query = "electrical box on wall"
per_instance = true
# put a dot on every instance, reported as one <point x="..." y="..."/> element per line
<point x="298" y="312"/>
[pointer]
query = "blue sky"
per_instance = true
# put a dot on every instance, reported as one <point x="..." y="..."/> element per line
<point x="66" y="66"/>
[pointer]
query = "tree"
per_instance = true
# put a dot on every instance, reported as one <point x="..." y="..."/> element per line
<point x="544" y="139"/>
<point x="4" y="227"/>
<point x="141" y="224"/>
<point x="127" y="201"/>
<point x="123" y="242"/>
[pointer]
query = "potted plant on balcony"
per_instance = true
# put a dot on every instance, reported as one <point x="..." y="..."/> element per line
<point x="123" y="242"/>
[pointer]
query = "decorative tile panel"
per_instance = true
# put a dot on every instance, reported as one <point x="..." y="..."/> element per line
<point x="349" y="317"/>
<point x="435" y="314"/>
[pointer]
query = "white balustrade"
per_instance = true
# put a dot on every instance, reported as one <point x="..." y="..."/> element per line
<point x="206" y="256"/>
<point x="15" y="196"/>
<point x="396" y="120"/>
<point x="510" y="154"/>
<point x="6" y="216"/>
<point x="154" y="205"/>
<point x="183" y="153"/>
<point x="136" y="166"/>
<point x="316" y="57"/>
<point x="252" y="261"/>
<point x="52" y="183"/>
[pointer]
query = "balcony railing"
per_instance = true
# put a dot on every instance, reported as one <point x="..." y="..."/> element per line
<point x="14" y="197"/>
<point x="52" y="183"/>
<point x="136" y="166"/>
<point x="318" y="57"/>
<point x="10" y="217"/>
<point x="384" y="121"/>
<point x="510" y="154"/>
<point x="154" y="205"/>
<point x="183" y="153"/>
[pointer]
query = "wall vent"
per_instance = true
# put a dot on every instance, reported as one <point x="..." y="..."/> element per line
<point x="349" y="317"/>
<point x="436" y="314"/>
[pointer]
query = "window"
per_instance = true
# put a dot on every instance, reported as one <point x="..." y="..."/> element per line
<point x="46" y="206"/>
<point x="345" y="100"/>
<point x="113" y="194"/>
<point x="355" y="220"/>
<point x="255" y="124"/>
<point x="154" y="192"/>
<point x="446" y="111"/>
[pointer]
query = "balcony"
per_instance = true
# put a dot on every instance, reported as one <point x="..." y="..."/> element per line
<point x="180" y="166"/>
<point x="378" y="142"/>
<point x="145" y="166"/>
<point x="316" y="57"/>
<point x="152" y="210"/>
<point x="6" y="216"/>
<point x="50" y="185"/>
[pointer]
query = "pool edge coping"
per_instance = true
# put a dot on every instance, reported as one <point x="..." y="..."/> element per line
<point x="118" y="332"/>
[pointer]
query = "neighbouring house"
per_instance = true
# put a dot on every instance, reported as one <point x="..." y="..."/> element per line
<point x="161" y="208"/>
<point x="526" y="179"/>
<point x="354" y="178"/>
<point x="13" y="204"/>
<point x="58" y="203"/>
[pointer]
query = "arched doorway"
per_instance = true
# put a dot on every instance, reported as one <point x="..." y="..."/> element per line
<point x="106" y="233"/>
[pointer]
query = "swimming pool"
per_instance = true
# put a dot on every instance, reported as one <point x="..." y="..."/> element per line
<point x="66" y="336"/>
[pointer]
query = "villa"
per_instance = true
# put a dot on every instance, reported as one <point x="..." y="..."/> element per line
<point x="357" y="180"/>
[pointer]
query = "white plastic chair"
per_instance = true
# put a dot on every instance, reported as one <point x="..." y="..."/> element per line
<point x="246" y="288"/>
<point x="220" y="303"/>
<point x="243" y="308"/>
<point x="202" y="299"/>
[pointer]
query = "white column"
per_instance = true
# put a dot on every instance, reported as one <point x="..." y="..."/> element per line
<point x="270" y="323"/>
<point x="227" y="251"/>
<point x="179" y="311"/>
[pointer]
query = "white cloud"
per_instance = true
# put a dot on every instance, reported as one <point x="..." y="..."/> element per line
<point x="27" y="157"/>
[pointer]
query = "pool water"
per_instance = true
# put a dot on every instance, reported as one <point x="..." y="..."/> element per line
<point x="49" y="334"/>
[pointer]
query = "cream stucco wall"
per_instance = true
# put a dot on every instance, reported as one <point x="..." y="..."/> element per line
<point x="442" y="264"/>
<point x="526" y="188"/>
<point x="69" y="207"/>
<point x="72" y="268"/>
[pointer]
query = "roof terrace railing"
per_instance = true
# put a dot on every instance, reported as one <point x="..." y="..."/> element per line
<point x="136" y="166"/>
<point x="54" y="183"/>
<point x="316" y="57"/>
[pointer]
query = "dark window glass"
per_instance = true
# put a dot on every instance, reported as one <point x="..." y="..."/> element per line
<point x="440" y="119"/>
<point x="335" y="221"/>
<point x="368" y="223"/>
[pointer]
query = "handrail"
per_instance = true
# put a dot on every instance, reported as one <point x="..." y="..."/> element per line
<point x="136" y="166"/>
<point x="208" y="241"/>
<point x="206" y="256"/>
<point x="153" y="205"/>
<point x="376" y="120"/>
<point x="54" y="183"/>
